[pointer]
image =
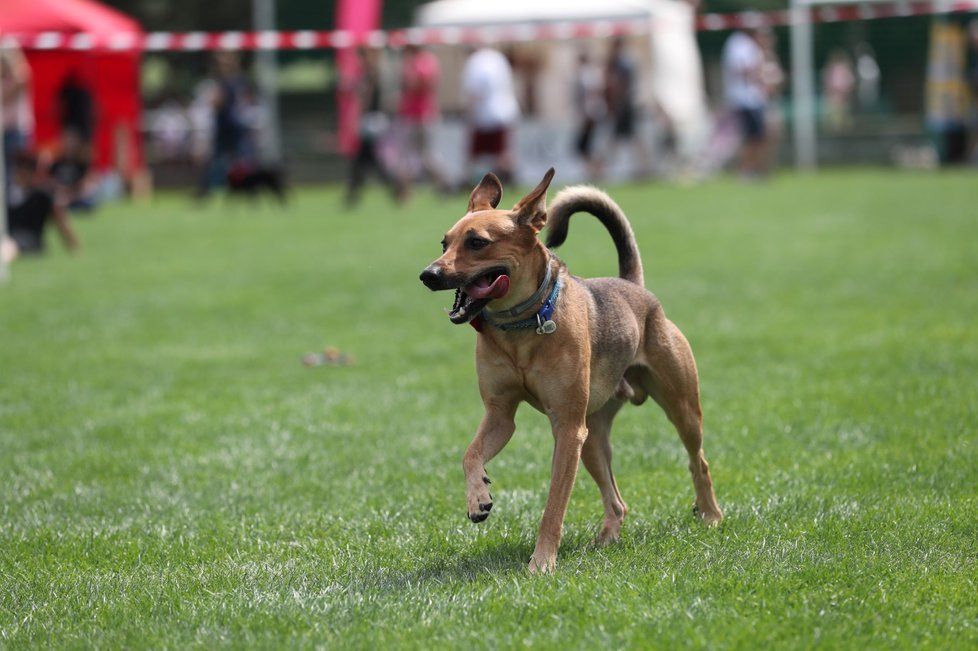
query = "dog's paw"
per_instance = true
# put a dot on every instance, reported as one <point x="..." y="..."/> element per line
<point x="541" y="563"/>
<point x="710" y="518"/>
<point x="479" y="500"/>
<point x="610" y="534"/>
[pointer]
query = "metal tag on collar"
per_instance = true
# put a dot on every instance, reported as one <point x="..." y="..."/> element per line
<point x="547" y="327"/>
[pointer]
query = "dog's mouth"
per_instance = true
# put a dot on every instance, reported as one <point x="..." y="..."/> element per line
<point x="471" y="297"/>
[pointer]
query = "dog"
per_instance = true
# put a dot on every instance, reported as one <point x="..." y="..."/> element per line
<point x="250" y="180"/>
<point x="575" y="349"/>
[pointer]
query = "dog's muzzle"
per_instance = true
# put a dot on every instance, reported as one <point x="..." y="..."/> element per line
<point x="472" y="294"/>
<point x="434" y="278"/>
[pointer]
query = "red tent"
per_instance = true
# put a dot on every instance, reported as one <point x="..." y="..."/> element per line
<point x="112" y="77"/>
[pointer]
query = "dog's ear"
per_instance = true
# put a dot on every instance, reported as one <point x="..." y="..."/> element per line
<point x="487" y="194"/>
<point x="532" y="209"/>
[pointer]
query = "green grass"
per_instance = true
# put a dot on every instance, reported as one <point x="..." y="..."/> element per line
<point x="172" y="476"/>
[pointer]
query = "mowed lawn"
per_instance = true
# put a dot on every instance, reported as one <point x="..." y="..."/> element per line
<point x="172" y="476"/>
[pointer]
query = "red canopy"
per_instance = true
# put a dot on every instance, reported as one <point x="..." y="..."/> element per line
<point x="112" y="77"/>
<point x="66" y="16"/>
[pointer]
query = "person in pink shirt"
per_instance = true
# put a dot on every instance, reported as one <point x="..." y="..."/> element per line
<point x="418" y="112"/>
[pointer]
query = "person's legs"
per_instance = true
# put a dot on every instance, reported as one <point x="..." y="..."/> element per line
<point x="491" y="143"/>
<point x="771" y="140"/>
<point x="410" y="155"/>
<point x="8" y="250"/>
<point x="26" y="241"/>
<point x="497" y="144"/>
<point x="367" y="158"/>
<point x="479" y="148"/>
<point x="214" y="174"/>
<point x="357" y="173"/>
<point x="429" y="161"/>
<point x="585" y="147"/>
<point x="376" y="161"/>
<point x="14" y="141"/>
<point x="752" y="150"/>
<point x="625" y="131"/>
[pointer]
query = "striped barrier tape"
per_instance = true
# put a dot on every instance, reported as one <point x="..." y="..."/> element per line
<point x="319" y="40"/>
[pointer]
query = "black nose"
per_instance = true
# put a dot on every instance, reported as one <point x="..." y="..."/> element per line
<point x="431" y="278"/>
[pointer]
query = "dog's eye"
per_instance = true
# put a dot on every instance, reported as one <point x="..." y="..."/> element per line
<point x="476" y="243"/>
<point x="444" y="246"/>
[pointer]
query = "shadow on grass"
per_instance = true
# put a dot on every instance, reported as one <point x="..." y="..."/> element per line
<point x="508" y="557"/>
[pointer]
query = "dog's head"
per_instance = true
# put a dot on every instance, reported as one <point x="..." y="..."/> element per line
<point x="483" y="253"/>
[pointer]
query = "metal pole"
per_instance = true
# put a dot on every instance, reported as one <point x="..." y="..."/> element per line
<point x="803" y="86"/>
<point x="266" y="66"/>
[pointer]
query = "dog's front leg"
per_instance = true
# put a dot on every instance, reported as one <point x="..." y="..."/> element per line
<point x="494" y="432"/>
<point x="570" y="432"/>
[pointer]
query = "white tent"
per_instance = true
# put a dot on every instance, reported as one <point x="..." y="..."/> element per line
<point x="460" y="13"/>
<point x="675" y="74"/>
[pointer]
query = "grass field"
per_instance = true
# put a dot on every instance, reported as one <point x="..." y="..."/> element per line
<point x="172" y="476"/>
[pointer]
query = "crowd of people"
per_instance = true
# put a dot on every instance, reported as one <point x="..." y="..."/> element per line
<point x="400" y="150"/>
<point x="397" y="130"/>
<point x="397" y="146"/>
<point x="400" y="141"/>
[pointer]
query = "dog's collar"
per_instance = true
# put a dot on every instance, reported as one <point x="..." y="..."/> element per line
<point x="514" y="312"/>
<point x="542" y="320"/>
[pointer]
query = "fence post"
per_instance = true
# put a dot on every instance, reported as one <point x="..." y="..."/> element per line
<point x="803" y="86"/>
<point x="263" y="20"/>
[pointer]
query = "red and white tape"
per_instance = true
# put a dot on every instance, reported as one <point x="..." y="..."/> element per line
<point x="319" y="40"/>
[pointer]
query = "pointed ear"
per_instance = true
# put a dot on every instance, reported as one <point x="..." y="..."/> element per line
<point x="487" y="194"/>
<point x="532" y="209"/>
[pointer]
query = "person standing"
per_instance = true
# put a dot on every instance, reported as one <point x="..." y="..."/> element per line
<point x="418" y="113"/>
<point x="746" y="97"/>
<point x="620" y="97"/>
<point x="867" y="77"/>
<point x="77" y="107"/>
<point x="838" y="84"/>
<point x="589" y="96"/>
<point x="18" y="114"/>
<point x="492" y="109"/>
<point x="230" y="131"/>
<point x="373" y="126"/>
<point x="774" y="81"/>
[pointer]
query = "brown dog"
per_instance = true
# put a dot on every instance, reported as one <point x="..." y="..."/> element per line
<point x="576" y="349"/>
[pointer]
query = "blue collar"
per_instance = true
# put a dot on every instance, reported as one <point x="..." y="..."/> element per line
<point x="542" y="320"/>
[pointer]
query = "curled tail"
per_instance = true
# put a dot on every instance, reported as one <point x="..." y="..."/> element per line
<point x="584" y="198"/>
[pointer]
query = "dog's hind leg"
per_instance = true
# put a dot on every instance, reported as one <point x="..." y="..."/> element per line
<point x="596" y="455"/>
<point x="494" y="432"/>
<point x="671" y="379"/>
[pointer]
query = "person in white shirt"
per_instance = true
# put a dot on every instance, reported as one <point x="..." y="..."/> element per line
<point x="746" y="95"/>
<point x="490" y="100"/>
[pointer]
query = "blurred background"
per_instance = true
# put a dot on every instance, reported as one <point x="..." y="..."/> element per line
<point x="103" y="100"/>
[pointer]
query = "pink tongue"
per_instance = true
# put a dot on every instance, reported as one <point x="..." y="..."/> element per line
<point x="481" y="288"/>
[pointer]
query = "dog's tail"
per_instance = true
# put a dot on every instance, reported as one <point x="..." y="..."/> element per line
<point x="584" y="198"/>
